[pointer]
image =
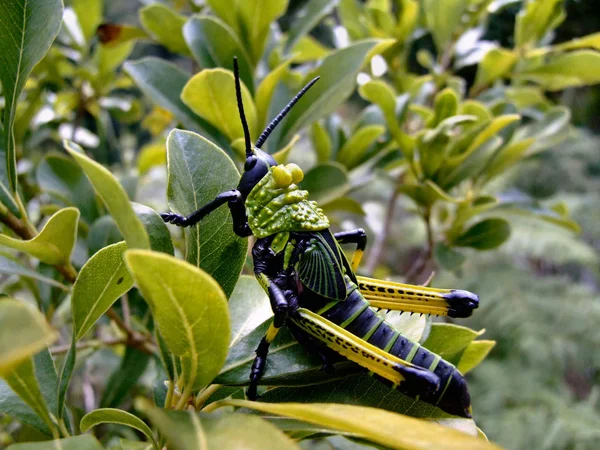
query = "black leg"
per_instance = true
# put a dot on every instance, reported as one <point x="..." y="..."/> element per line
<point x="313" y="348"/>
<point x="358" y="237"/>
<point x="260" y="361"/>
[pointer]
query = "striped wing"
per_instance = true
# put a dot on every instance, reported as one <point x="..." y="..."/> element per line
<point x="320" y="271"/>
<point x="418" y="299"/>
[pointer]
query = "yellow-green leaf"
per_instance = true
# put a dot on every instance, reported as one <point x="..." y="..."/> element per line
<point x="85" y="442"/>
<point x="101" y="281"/>
<point x="165" y="25"/>
<point x="265" y="90"/>
<point x="115" y="197"/>
<point x="443" y="19"/>
<point x="116" y="416"/>
<point x="23" y="333"/>
<point x="309" y="49"/>
<point x="89" y="15"/>
<point x="474" y="354"/>
<point x="54" y="244"/>
<point x="496" y="63"/>
<point x="382" y="427"/>
<point x="536" y="19"/>
<point x="211" y="95"/>
<point x="190" y="311"/>
<point x="589" y="41"/>
<point x="353" y="151"/>
<point x="151" y="155"/>
<point x="321" y="142"/>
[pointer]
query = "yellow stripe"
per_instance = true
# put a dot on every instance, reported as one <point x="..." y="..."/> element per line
<point x="271" y="333"/>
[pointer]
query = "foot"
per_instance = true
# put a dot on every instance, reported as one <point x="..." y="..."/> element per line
<point x="175" y="219"/>
<point x="462" y="303"/>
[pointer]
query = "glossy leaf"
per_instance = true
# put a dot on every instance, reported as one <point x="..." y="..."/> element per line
<point x="101" y="281"/>
<point x="443" y="20"/>
<point x="123" y="380"/>
<point x="507" y="156"/>
<point x="54" y="244"/>
<point x="589" y="41"/>
<point x="198" y="172"/>
<point x="249" y="307"/>
<point x="496" y="63"/>
<point x="151" y="155"/>
<point x="536" y="19"/>
<point x="373" y="424"/>
<point x="485" y="235"/>
<point x="306" y="19"/>
<point x="116" y="416"/>
<point x="23" y="332"/>
<point x="326" y="182"/>
<point x="445" y="105"/>
<point x="189" y="309"/>
<point x="321" y="142"/>
<point x="447" y="339"/>
<point x="165" y="25"/>
<point x="64" y="377"/>
<point x="354" y="149"/>
<point x="214" y="44"/>
<point x="474" y="354"/>
<point x="28" y="29"/>
<point x="9" y="266"/>
<point x="160" y="238"/>
<point x="85" y="442"/>
<point x="211" y="95"/>
<point x="265" y="91"/>
<point x="89" y="16"/>
<point x="114" y="196"/>
<point x="103" y="232"/>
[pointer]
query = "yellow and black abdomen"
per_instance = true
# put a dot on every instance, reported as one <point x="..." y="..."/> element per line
<point x="357" y="317"/>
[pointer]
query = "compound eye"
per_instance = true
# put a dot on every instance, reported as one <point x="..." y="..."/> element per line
<point x="282" y="176"/>
<point x="250" y="163"/>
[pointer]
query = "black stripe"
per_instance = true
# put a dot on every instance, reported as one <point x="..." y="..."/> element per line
<point x="423" y="358"/>
<point x="345" y="309"/>
<point x="381" y="337"/>
<point x="363" y="323"/>
<point x="402" y="347"/>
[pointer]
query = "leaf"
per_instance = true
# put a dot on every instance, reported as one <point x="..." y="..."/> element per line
<point x="211" y="95"/>
<point x="444" y="20"/>
<point x="447" y="339"/>
<point x="306" y="19"/>
<point x="507" y="156"/>
<point x="85" y="442"/>
<point x="353" y="151"/>
<point x="346" y="204"/>
<point x="14" y="407"/>
<point x="281" y="156"/>
<point x="550" y="130"/>
<point x="190" y="311"/>
<point x="309" y="49"/>
<point x="333" y="88"/>
<point x="564" y="70"/>
<point x="445" y="106"/>
<point x="265" y="91"/>
<point x="160" y="238"/>
<point x="485" y="235"/>
<point x="114" y="196"/>
<point x="474" y="354"/>
<point x="214" y="44"/>
<point x="447" y="257"/>
<point x="373" y="424"/>
<point x="109" y="57"/>
<point x="496" y="63"/>
<point x="89" y="16"/>
<point x="101" y="281"/>
<point x="321" y="142"/>
<point x="249" y="307"/>
<point x="163" y="82"/>
<point x="326" y="182"/>
<point x="151" y="155"/>
<point x="103" y="232"/>
<point x="54" y="244"/>
<point x="536" y="19"/>
<point x="165" y="25"/>
<point x="28" y="29"/>
<point x="123" y="380"/>
<point x="116" y="416"/>
<point x="188" y="431"/>
<point x="251" y="19"/>
<point x="9" y="266"/>
<point x="64" y="377"/>
<point x="198" y="172"/>
<point x="589" y="41"/>
<point x="23" y="332"/>
<point x="63" y="179"/>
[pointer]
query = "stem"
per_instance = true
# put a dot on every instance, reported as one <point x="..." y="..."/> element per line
<point x="378" y="246"/>
<point x="169" y="399"/>
<point x="63" y="428"/>
<point x="17" y="225"/>
<point x="187" y="392"/>
<point x="211" y="407"/>
<point x="59" y="349"/>
<point x="205" y="394"/>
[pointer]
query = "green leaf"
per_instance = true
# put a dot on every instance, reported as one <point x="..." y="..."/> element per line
<point x="89" y="15"/>
<point x="445" y="106"/>
<point x="28" y="29"/>
<point x="564" y="70"/>
<point x="251" y="19"/>
<point x="265" y="91"/>
<point x="376" y="425"/>
<point x="101" y="281"/>
<point x="536" y="19"/>
<point x="198" y="172"/>
<point x="333" y="88"/>
<point x="160" y="238"/>
<point x="103" y="232"/>
<point x="13" y="406"/>
<point x="447" y="339"/>
<point x="507" y="156"/>
<point x="63" y="179"/>
<point x="9" y="266"/>
<point x="214" y="44"/>
<point x="550" y="130"/>
<point x="589" y="41"/>
<point x="64" y="377"/>
<point x="23" y="332"/>
<point x="123" y="380"/>
<point x="485" y="235"/>
<point x="346" y="204"/>
<point x="188" y="431"/>
<point x="164" y="25"/>
<point x="109" y="57"/>
<point x="326" y="182"/>
<point x="54" y="244"/>
<point x="321" y="142"/>
<point x="355" y="148"/>
<point x="22" y="380"/>
<point x="211" y="95"/>
<point x="447" y="257"/>
<point x="114" y="196"/>
<point x="474" y="354"/>
<point x="249" y="307"/>
<point x="496" y="63"/>
<point x="306" y="19"/>
<point x="117" y="416"/>
<point x="190" y="311"/>
<point x="85" y="442"/>
<point x="443" y="20"/>
<point x="309" y="49"/>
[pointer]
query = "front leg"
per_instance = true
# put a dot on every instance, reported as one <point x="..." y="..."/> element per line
<point x="260" y="361"/>
<point x="358" y="237"/>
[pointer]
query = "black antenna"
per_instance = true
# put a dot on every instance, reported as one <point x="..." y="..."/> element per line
<point x="265" y="134"/>
<point x="238" y="93"/>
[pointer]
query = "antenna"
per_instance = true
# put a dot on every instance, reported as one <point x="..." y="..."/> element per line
<point x="238" y="93"/>
<point x="265" y="134"/>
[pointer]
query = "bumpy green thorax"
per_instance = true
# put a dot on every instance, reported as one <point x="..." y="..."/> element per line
<point x="277" y="205"/>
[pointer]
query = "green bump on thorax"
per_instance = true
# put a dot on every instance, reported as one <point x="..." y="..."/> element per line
<point x="272" y="209"/>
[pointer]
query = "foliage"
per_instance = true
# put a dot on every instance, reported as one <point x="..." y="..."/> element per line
<point x="433" y="137"/>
